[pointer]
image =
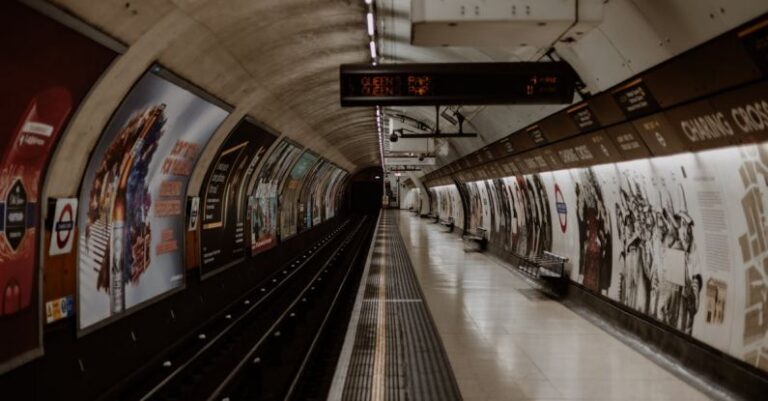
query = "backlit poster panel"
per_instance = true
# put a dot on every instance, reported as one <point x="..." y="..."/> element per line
<point x="131" y="219"/>
<point x="224" y="197"/>
<point x="331" y="193"/>
<point x="314" y="176"/>
<point x="41" y="91"/>
<point x="449" y="204"/>
<point x="289" y="198"/>
<point x="318" y="193"/>
<point x="264" y="209"/>
<point x="742" y="302"/>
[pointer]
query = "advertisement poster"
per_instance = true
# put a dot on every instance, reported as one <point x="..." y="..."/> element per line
<point x="449" y="204"/>
<point x="318" y="194"/>
<point x="332" y="193"/>
<point x="224" y="196"/>
<point x="306" y="203"/>
<point x="131" y="221"/>
<point x="289" y="197"/>
<point x="264" y="208"/>
<point x="37" y="103"/>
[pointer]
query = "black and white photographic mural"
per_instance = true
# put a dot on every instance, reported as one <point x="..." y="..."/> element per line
<point x="594" y="227"/>
<point x="682" y="239"/>
<point x="449" y="204"/>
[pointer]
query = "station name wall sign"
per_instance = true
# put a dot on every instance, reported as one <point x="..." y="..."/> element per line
<point x="456" y="83"/>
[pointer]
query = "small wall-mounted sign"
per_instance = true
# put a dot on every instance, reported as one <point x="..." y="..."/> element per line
<point x="63" y="227"/>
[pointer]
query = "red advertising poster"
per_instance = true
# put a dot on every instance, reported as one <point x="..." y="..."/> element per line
<point x="53" y="69"/>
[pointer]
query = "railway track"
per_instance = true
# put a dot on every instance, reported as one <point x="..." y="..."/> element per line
<point x="259" y="347"/>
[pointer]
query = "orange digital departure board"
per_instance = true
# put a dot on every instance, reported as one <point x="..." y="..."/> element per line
<point x="457" y="83"/>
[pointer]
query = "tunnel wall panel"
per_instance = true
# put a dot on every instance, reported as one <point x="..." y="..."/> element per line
<point x="38" y="103"/>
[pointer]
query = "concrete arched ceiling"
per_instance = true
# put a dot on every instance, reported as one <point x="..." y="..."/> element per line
<point x="253" y="52"/>
<point x="633" y="36"/>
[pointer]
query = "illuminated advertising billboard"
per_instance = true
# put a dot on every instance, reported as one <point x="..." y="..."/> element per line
<point x="289" y="200"/>
<point x="223" y="234"/>
<point x="131" y="219"/>
<point x="37" y="101"/>
<point x="264" y="207"/>
<point x="311" y="182"/>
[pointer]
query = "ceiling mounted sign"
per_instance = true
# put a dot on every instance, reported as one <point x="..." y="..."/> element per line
<point x="456" y="83"/>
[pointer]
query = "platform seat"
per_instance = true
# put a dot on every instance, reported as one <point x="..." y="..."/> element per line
<point x="476" y="238"/>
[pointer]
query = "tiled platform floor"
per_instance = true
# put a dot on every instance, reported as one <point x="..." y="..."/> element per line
<point x="503" y="346"/>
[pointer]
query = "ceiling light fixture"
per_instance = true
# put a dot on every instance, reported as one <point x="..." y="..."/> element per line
<point x="369" y="18"/>
<point x="373" y="49"/>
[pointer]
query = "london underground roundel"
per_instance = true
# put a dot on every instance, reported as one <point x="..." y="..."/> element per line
<point x="562" y="209"/>
<point x="62" y="231"/>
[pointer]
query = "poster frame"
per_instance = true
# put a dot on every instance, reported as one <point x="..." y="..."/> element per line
<point x="246" y="119"/>
<point x="169" y="75"/>
<point x="78" y="26"/>
<point x="318" y="159"/>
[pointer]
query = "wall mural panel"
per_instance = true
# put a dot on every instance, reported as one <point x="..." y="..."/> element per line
<point x="681" y="239"/>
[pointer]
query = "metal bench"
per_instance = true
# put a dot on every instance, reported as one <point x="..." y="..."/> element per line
<point x="448" y="223"/>
<point x="477" y="236"/>
<point x="546" y="265"/>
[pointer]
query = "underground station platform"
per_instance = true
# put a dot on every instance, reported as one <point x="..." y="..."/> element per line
<point x="383" y="200"/>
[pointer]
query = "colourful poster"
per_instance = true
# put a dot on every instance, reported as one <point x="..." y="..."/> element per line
<point x="290" y="203"/>
<point x="306" y="204"/>
<point x="331" y="196"/>
<point x="224" y="197"/>
<point x="132" y="200"/>
<point x="264" y="208"/>
<point x="317" y="193"/>
<point x="41" y="91"/>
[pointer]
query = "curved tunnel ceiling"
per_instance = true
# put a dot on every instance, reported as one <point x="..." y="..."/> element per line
<point x="634" y="35"/>
<point x="278" y="59"/>
<point x="290" y="48"/>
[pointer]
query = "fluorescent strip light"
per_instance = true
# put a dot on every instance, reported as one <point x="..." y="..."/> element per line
<point x="373" y="49"/>
<point x="370" y="24"/>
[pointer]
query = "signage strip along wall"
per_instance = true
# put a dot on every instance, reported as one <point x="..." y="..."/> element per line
<point x="703" y="110"/>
